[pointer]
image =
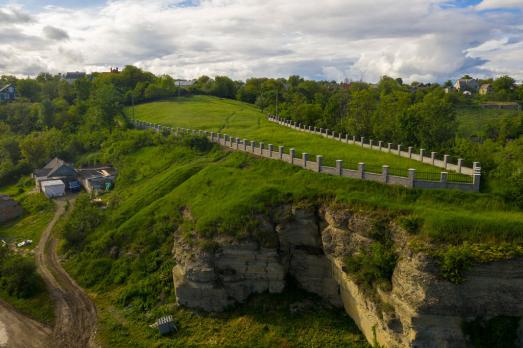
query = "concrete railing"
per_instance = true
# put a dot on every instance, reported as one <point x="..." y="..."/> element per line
<point x="383" y="147"/>
<point x="316" y="165"/>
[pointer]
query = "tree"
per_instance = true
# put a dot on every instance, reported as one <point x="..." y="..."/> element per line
<point x="28" y="88"/>
<point x="223" y="87"/>
<point x="504" y="88"/>
<point x="104" y="105"/>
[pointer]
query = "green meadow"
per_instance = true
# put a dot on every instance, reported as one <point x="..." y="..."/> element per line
<point x="245" y="121"/>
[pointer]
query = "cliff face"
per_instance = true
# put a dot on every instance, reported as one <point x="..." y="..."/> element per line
<point x="420" y="309"/>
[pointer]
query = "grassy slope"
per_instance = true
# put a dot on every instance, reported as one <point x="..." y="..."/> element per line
<point x="246" y="121"/>
<point x="474" y="120"/>
<point x="223" y="191"/>
<point x="151" y="188"/>
<point x="28" y="226"/>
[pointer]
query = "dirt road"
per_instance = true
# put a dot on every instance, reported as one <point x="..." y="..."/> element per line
<point x="18" y="331"/>
<point x="75" y="313"/>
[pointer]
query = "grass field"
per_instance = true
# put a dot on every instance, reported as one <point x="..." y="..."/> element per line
<point x="474" y="121"/>
<point x="246" y="121"/>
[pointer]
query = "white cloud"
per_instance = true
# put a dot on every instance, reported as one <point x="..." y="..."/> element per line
<point x="492" y="4"/>
<point x="331" y="39"/>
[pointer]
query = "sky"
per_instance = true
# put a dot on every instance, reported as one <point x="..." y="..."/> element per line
<point x="417" y="40"/>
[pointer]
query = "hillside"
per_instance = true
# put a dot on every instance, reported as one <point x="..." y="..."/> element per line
<point x="244" y="120"/>
<point x="188" y="187"/>
<point x="474" y="121"/>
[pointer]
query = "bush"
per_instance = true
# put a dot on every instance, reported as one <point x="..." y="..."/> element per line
<point x="373" y="266"/>
<point x="84" y="219"/>
<point x="455" y="261"/>
<point x="200" y="144"/>
<point x="411" y="223"/>
<point x="18" y="276"/>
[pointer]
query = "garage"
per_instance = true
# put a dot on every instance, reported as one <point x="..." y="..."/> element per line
<point x="53" y="188"/>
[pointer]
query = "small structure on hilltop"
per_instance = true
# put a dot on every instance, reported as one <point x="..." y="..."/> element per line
<point x="97" y="180"/>
<point x="485" y="89"/>
<point x="7" y="93"/>
<point x="56" y="169"/>
<point x="469" y="85"/>
<point x="9" y="209"/>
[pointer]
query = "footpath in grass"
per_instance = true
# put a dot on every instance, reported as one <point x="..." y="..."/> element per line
<point x="246" y="121"/>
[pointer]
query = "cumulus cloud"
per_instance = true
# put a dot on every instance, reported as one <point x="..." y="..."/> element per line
<point x="492" y="4"/>
<point x="333" y="39"/>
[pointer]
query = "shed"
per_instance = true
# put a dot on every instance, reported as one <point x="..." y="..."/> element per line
<point x="166" y="325"/>
<point x="53" y="188"/>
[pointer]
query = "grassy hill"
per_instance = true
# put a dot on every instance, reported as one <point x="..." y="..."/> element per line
<point x="246" y="121"/>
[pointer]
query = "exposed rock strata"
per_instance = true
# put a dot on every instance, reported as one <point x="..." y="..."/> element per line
<point x="421" y="309"/>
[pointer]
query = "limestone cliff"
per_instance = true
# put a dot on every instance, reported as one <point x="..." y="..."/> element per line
<point x="420" y="309"/>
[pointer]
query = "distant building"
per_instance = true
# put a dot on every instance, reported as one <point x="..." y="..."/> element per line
<point x="97" y="180"/>
<point x="470" y="85"/>
<point x="70" y="77"/>
<point x="115" y="70"/>
<point x="56" y="169"/>
<point x="184" y="83"/>
<point x="53" y="188"/>
<point x="485" y="89"/>
<point x="7" y="93"/>
<point x="9" y="209"/>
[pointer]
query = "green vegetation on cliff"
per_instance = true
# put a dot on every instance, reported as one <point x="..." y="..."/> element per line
<point x="167" y="184"/>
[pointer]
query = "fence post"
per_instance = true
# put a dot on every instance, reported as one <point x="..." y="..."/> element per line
<point x="321" y="130"/>
<point x="280" y="151"/>
<point x="362" y="139"/>
<point x="339" y="136"/>
<point x="385" y="173"/>
<point x="339" y="167"/>
<point x="244" y="144"/>
<point x="305" y="157"/>
<point x="270" y="150"/>
<point x="238" y="143"/>
<point x="361" y="170"/>
<point x="476" y="178"/>
<point x="409" y="150"/>
<point x="389" y="146"/>
<point x="460" y="163"/>
<point x="212" y="137"/>
<point x="445" y="161"/>
<point x="399" y="149"/>
<point x="253" y="145"/>
<point x="261" y="148"/>
<point x="292" y="153"/>
<point x="315" y="129"/>
<point x="443" y="179"/>
<point x="421" y="154"/>
<point x="310" y="129"/>
<point x="380" y="144"/>
<point x="433" y="157"/>
<point x="319" y="163"/>
<point x="327" y="132"/>
<point x="370" y="143"/>
<point x="354" y="139"/>
<point x="347" y="138"/>
<point x="412" y="177"/>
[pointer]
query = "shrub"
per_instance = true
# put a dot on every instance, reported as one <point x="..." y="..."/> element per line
<point x="200" y="144"/>
<point x="455" y="261"/>
<point x="372" y="266"/>
<point x="411" y="223"/>
<point x="18" y="276"/>
<point x="83" y="220"/>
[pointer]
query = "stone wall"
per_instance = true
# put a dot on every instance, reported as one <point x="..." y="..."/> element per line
<point x="419" y="310"/>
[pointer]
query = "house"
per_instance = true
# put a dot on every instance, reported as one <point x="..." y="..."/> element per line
<point x="70" y="77"/>
<point x="470" y="85"/>
<point x="9" y="209"/>
<point x="97" y="180"/>
<point x="7" y="93"/>
<point x="485" y="89"/>
<point x="56" y="169"/>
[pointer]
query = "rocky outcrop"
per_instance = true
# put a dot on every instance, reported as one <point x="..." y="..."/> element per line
<point x="419" y="310"/>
